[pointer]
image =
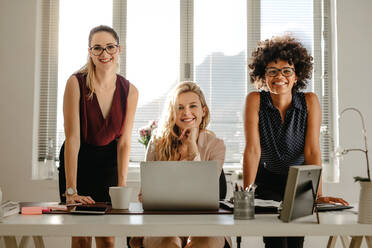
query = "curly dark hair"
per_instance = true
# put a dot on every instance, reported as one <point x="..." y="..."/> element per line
<point x="284" y="48"/>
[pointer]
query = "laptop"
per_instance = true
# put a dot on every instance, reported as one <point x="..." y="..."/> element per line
<point x="180" y="185"/>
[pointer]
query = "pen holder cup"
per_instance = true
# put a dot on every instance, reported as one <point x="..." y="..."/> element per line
<point x="243" y="205"/>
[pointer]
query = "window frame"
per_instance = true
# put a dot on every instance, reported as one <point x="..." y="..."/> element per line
<point x="325" y="62"/>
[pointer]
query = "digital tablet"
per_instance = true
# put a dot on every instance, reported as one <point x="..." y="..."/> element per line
<point x="88" y="210"/>
<point x="323" y="207"/>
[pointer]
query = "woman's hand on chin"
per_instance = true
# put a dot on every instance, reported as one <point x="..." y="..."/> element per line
<point x="189" y="147"/>
<point x="189" y="136"/>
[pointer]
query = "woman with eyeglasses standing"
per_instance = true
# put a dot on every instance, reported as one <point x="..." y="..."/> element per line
<point x="99" y="107"/>
<point x="282" y="124"/>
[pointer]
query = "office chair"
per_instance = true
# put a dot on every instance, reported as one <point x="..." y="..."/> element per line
<point x="223" y="186"/>
<point x="223" y="191"/>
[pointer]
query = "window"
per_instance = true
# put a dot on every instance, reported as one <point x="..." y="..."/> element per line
<point x="168" y="41"/>
<point x="220" y="67"/>
<point x="153" y="59"/>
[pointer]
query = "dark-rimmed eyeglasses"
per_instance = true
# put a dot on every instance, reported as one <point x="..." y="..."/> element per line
<point x="286" y="71"/>
<point x="98" y="50"/>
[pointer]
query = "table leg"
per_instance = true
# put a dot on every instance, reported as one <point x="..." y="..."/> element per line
<point x="369" y="241"/>
<point x="1" y="242"/>
<point x="38" y="241"/>
<point x="10" y="242"/>
<point x="24" y="241"/>
<point x="345" y="241"/>
<point x="356" y="241"/>
<point x="332" y="241"/>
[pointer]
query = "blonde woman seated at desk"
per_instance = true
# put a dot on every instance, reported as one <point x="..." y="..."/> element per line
<point x="182" y="135"/>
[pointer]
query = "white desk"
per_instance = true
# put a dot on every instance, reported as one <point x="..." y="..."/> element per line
<point x="332" y="224"/>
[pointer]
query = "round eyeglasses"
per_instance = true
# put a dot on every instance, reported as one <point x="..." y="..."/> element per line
<point x="98" y="50"/>
<point x="286" y="71"/>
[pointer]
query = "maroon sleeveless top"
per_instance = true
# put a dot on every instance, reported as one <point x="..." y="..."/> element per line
<point x="94" y="129"/>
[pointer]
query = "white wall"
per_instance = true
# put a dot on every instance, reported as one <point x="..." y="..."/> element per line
<point x="17" y="44"/>
<point x="355" y="85"/>
<point x="17" y="102"/>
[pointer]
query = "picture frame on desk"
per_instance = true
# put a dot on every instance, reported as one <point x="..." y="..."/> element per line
<point x="300" y="192"/>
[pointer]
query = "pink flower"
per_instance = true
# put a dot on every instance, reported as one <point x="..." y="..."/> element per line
<point x="142" y="132"/>
<point x="145" y="132"/>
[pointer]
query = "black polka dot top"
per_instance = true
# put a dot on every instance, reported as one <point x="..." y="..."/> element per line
<point x="282" y="145"/>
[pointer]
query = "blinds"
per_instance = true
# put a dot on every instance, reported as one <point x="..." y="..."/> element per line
<point x="308" y="21"/>
<point x="327" y="90"/>
<point x="63" y="51"/>
<point x="48" y="76"/>
<point x="119" y="23"/>
<point x="221" y="71"/>
<point x="165" y="42"/>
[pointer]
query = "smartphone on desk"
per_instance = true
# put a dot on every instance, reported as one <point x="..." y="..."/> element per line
<point x="88" y="210"/>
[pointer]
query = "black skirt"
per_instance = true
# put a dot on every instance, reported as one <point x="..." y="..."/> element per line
<point x="270" y="186"/>
<point x="97" y="170"/>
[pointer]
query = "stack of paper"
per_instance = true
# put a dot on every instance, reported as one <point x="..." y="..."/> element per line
<point x="9" y="208"/>
<point x="266" y="203"/>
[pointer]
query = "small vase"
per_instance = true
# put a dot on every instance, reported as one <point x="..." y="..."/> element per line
<point x="365" y="203"/>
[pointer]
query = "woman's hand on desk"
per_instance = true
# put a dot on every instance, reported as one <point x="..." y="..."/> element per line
<point x="79" y="198"/>
<point x="333" y="200"/>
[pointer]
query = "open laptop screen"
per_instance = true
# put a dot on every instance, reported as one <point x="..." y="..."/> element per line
<point x="180" y="185"/>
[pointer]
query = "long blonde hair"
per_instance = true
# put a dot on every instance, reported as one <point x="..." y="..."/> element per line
<point x="89" y="68"/>
<point x="166" y="138"/>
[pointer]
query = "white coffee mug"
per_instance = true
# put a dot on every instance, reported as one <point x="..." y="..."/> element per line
<point x="120" y="197"/>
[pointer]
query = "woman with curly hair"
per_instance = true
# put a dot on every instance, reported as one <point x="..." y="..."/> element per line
<point x="282" y="124"/>
<point x="183" y="135"/>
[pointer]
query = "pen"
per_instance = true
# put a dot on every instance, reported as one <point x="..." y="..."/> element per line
<point x="239" y="187"/>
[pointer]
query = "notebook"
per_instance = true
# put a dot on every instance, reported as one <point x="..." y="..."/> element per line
<point x="260" y="206"/>
<point x="180" y="185"/>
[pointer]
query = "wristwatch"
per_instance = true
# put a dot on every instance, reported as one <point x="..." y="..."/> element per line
<point x="71" y="191"/>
